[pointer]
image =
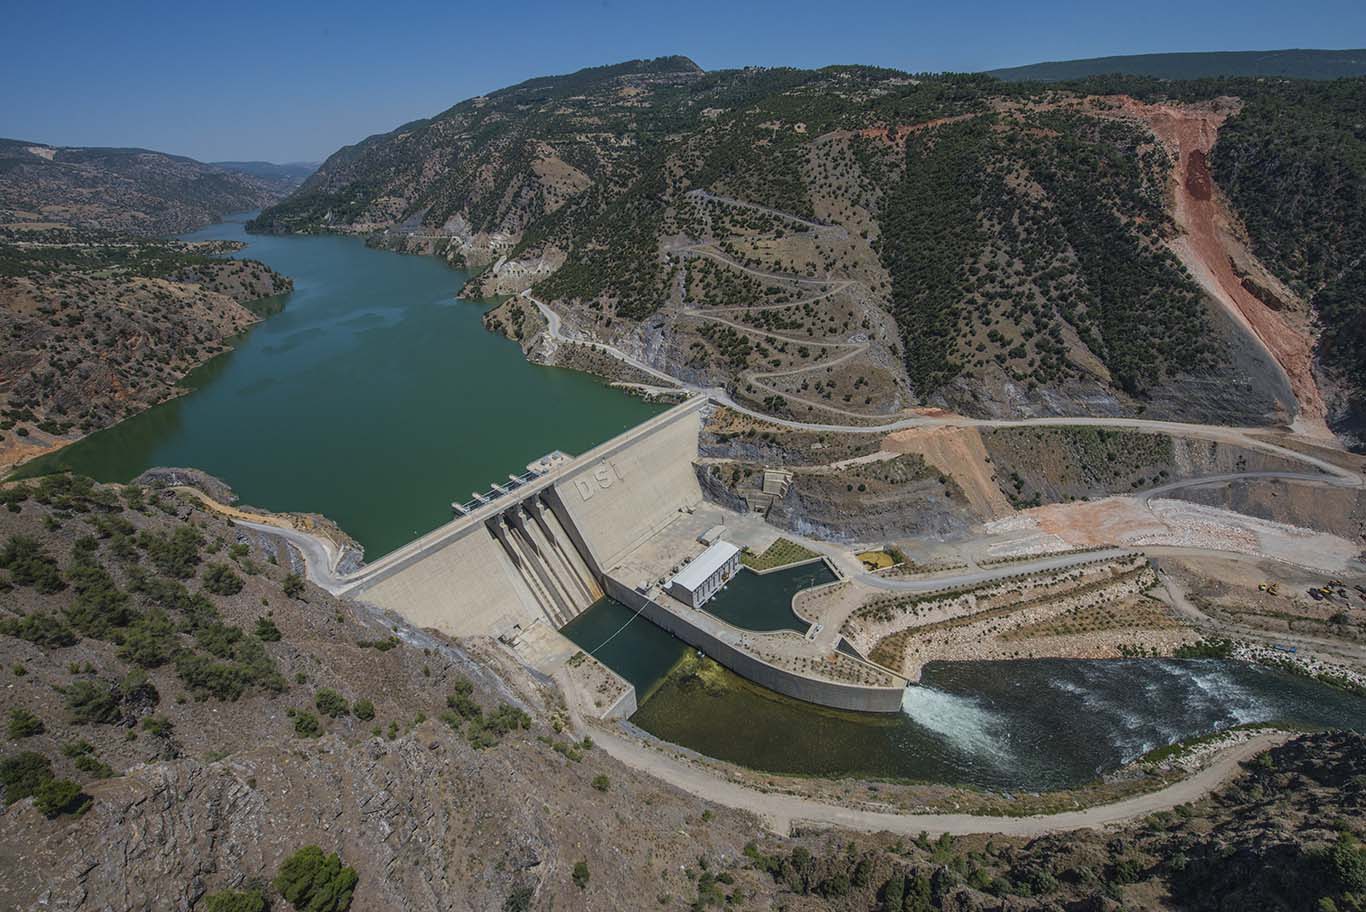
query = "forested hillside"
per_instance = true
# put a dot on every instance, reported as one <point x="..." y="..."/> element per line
<point x="135" y="191"/>
<point x="98" y="326"/>
<point x="1294" y="166"/>
<point x="848" y="242"/>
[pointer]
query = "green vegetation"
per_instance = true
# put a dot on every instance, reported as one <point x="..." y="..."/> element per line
<point x="1205" y="649"/>
<point x="221" y="580"/>
<point x="601" y="783"/>
<point x="363" y="710"/>
<point x="330" y="703"/>
<point x="1296" y="64"/>
<point x="235" y="901"/>
<point x="1293" y="163"/>
<point x="306" y="724"/>
<point x="23" y="724"/>
<point x="580" y="874"/>
<point x="997" y="242"/>
<point x="779" y="554"/>
<point x="92" y="702"/>
<point x="29" y="565"/>
<point x="293" y="586"/>
<point x="313" y="882"/>
<point x="266" y="631"/>
<point x="29" y="774"/>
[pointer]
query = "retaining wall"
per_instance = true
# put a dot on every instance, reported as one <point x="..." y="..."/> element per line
<point x="811" y="690"/>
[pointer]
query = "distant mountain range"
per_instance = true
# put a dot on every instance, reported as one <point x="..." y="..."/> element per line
<point x="289" y="174"/>
<point x="1293" y="63"/>
<point x="137" y="191"/>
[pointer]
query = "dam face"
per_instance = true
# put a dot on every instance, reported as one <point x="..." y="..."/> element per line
<point x="538" y="554"/>
<point x="619" y="521"/>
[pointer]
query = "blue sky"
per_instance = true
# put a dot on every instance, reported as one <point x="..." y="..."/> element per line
<point x="289" y="81"/>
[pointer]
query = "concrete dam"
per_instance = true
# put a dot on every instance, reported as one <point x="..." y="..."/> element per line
<point x="617" y="521"/>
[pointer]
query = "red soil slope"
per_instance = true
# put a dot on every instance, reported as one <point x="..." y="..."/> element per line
<point x="1211" y="248"/>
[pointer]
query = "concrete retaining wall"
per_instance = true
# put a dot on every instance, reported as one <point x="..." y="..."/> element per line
<point x="823" y="693"/>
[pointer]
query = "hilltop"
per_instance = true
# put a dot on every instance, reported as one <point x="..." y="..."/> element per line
<point x="134" y="191"/>
<point x="848" y="244"/>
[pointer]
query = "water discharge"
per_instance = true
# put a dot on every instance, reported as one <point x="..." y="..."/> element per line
<point x="961" y="721"/>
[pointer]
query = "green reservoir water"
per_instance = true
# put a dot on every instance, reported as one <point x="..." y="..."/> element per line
<point x="628" y="644"/>
<point x="763" y="601"/>
<point x="1030" y="724"/>
<point x="375" y="397"/>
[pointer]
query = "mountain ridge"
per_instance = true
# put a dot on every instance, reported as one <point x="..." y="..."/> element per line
<point x="137" y="191"/>
<point x="1295" y="63"/>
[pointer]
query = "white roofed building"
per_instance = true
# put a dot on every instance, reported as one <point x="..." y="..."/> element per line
<point x="706" y="574"/>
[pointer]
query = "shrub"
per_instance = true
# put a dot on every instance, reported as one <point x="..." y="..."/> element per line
<point x="150" y="641"/>
<point x="363" y="710"/>
<point x="250" y="665"/>
<point x="87" y="761"/>
<point x="29" y="565"/>
<point x="21" y="774"/>
<point x="91" y="701"/>
<point x="487" y="731"/>
<point x="581" y="874"/>
<point x="293" y="586"/>
<point x="309" y="880"/>
<point x="519" y="900"/>
<point x="601" y="783"/>
<point x="331" y="703"/>
<point x="175" y="555"/>
<point x="59" y="796"/>
<point x="306" y="725"/>
<point x="40" y="629"/>
<point x="99" y="605"/>
<point x="220" y="580"/>
<point x="157" y="727"/>
<point x="266" y="631"/>
<point x="24" y="724"/>
<point x="235" y="901"/>
<point x="462" y="702"/>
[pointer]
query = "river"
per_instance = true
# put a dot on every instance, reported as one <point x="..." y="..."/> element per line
<point x="1019" y="725"/>
<point x="374" y="397"/>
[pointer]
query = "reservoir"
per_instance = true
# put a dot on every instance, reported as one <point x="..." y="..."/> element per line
<point x="374" y="397"/>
